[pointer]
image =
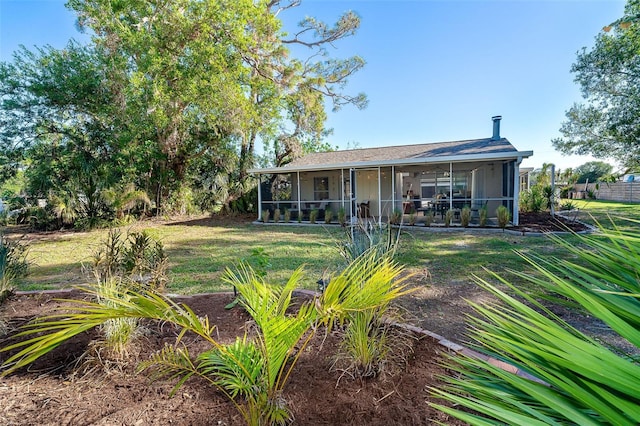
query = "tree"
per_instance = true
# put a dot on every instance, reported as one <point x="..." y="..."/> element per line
<point x="592" y="171"/>
<point x="213" y="78"/>
<point x="607" y="124"/>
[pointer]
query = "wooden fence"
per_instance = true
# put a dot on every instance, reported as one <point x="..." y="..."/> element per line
<point x="617" y="191"/>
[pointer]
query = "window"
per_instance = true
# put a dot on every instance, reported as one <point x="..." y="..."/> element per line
<point x="321" y="188"/>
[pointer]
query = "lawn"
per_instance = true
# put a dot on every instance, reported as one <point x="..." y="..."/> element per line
<point x="200" y="249"/>
<point x="592" y="211"/>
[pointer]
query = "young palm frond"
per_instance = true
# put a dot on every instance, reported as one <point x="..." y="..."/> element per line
<point x="84" y="315"/>
<point x="571" y="377"/>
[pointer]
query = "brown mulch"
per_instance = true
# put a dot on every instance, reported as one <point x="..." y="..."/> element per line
<point x="544" y="222"/>
<point x="75" y="385"/>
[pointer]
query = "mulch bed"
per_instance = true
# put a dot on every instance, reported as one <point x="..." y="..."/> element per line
<point x="69" y="387"/>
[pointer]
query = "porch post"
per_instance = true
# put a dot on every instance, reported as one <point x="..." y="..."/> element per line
<point x="298" y="185"/>
<point x="450" y="185"/>
<point x="259" y="197"/>
<point x="379" y="199"/>
<point x="516" y="191"/>
<point x="353" y="190"/>
<point x="393" y="187"/>
<point x="342" y="188"/>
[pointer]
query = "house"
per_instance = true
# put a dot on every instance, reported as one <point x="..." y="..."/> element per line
<point x="376" y="182"/>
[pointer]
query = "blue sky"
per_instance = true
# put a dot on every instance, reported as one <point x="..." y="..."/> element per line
<point x="436" y="70"/>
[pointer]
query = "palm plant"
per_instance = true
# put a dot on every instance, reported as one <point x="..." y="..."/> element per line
<point x="123" y="199"/>
<point x="570" y="377"/>
<point x="252" y="372"/>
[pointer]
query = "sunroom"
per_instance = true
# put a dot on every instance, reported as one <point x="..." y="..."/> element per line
<point x="376" y="183"/>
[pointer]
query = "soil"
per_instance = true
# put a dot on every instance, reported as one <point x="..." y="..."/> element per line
<point x="544" y="222"/>
<point x="77" y="385"/>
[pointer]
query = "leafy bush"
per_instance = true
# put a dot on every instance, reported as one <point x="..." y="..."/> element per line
<point x="429" y="216"/>
<point x="328" y="216"/>
<point x="265" y="215"/>
<point x="504" y="216"/>
<point x="570" y="378"/>
<point x="276" y="215"/>
<point x="448" y="217"/>
<point x="13" y="265"/>
<point x="287" y="215"/>
<point x="396" y="217"/>
<point x="342" y="216"/>
<point x="532" y="200"/>
<point x="313" y="215"/>
<point x="483" y="215"/>
<point x="568" y="205"/>
<point x="465" y="216"/>
<point x="135" y="259"/>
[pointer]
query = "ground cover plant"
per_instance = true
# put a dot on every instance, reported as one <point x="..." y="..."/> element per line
<point x="570" y="377"/>
<point x="251" y="371"/>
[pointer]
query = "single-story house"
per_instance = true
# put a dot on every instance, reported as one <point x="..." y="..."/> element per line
<point x="376" y="182"/>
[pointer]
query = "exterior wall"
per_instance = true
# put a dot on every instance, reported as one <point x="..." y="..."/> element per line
<point x="616" y="191"/>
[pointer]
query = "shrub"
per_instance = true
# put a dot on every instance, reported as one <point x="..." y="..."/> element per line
<point x="448" y="217"/>
<point x="287" y="215"/>
<point x="136" y="260"/>
<point x="483" y="215"/>
<point x="532" y="200"/>
<point x="396" y="217"/>
<point x="276" y="215"/>
<point x="465" y="216"/>
<point x="504" y="216"/>
<point x="429" y="216"/>
<point x="265" y="215"/>
<point x="328" y="216"/>
<point x="412" y="219"/>
<point x="13" y="265"/>
<point x="570" y="378"/>
<point x="568" y="205"/>
<point x="342" y="216"/>
<point x="313" y="215"/>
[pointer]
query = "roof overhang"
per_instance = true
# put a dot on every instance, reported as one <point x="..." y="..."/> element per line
<point x="503" y="156"/>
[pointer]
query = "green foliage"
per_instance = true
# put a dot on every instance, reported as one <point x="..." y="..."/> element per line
<point x="504" y="216"/>
<point x="342" y="216"/>
<point x="412" y="219"/>
<point x="118" y="333"/>
<point x="313" y="215"/>
<point x="448" y="217"/>
<point x="287" y="215"/>
<point x="265" y="215"/>
<point x="535" y="199"/>
<point x="328" y="216"/>
<point x="135" y="259"/>
<point x="13" y="265"/>
<point x="603" y="124"/>
<point x="252" y="371"/>
<point x="483" y="214"/>
<point x="396" y="217"/>
<point x="429" y="216"/>
<point x="592" y="171"/>
<point x="276" y="215"/>
<point x="568" y="205"/>
<point x="571" y="378"/>
<point x="465" y="216"/>
<point x="364" y="237"/>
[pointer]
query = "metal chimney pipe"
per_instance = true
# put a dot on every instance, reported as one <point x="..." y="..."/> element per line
<point x="496" y="127"/>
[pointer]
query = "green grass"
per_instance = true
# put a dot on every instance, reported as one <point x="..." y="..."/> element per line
<point x="600" y="211"/>
<point x="198" y="251"/>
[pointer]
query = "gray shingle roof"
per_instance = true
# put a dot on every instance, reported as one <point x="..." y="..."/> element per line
<point x="406" y="152"/>
<point x="485" y="149"/>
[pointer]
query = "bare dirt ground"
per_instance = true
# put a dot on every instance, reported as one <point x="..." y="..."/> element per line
<point x="69" y="388"/>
